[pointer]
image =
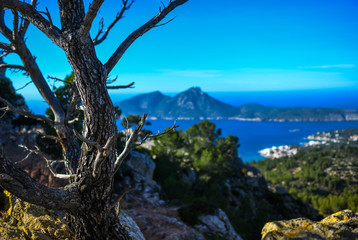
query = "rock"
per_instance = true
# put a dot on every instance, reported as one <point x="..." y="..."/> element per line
<point x="141" y="163"/>
<point x="22" y="220"/>
<point x="189" y="176"/>
<point x="217" y="225"/>
<point x="157" y="225"/>
<point x="342" y="225"/>
<point x="131" y="226"/>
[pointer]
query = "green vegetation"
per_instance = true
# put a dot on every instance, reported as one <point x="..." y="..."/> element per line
<point x="201" y="170"/>
<point x="325" y="177"/>
<point x="8" y="92"/>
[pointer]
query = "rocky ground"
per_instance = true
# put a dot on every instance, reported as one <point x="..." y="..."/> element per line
<point x="342" y="225"/>
<point x="159" y="219"/>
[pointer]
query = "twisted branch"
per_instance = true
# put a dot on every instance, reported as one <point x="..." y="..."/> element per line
<point x="118" y="17"/>
<point x="88" y="19"/>
<point x="117" y="55"/>
<point x="11" y="108"/>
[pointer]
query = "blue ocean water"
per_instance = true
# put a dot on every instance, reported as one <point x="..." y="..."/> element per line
<point x="254" y="136"/>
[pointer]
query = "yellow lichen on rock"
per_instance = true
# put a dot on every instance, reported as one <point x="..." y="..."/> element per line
<point x="342" y="225"/>
<point x="22" y="220"/>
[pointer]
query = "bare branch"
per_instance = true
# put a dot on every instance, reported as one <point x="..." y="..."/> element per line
<point x="129" y="142"/>
<point x="24" y="86"/>
<point x="35" y="17"/>
<point x="121" y="196"/>
<point x="89" y="142"/>
<point x="159" y="25"/>
<point x="47" y="13"/>
<point x="100" y="30"/>
<point x="88" y="19"/>
<point x="5" y="53"/>
<point x="102" y="153"/>
<point x="25" y="22"/>
<point x="3" y="28"/>
<point x="118" y="87"/>
<point x="119" y="16"/>
<point x="49" y="163"/>
<point x="151" y="136"/>
<point x="19" y="183"/>
<point x="11" y="108"/>
<point x="24" y="26"/>
<point x="101" y="156"/>
<point x="5" y="46"/>
<point x="116" y="202"/>
<point x="13" y="66"/>
<point x="113" y="60"/>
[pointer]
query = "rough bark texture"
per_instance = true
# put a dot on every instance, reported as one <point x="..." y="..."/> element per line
<point x="88" y="199"/>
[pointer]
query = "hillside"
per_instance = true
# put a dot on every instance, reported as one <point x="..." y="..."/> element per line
<point x="324" y="176"/>
<point x="194" y="103"/>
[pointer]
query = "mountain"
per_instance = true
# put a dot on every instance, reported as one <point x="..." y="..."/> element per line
<point x="194" y="103"/>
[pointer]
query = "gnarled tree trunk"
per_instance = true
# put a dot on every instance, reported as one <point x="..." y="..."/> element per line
<point x="88" y="198"/>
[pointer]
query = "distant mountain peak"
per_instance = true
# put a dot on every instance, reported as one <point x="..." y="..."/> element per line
<point x="194" y="89"/>
<point x="194" y="103"/>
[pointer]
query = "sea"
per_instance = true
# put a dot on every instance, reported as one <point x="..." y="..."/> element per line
<point x="255" y="136"/>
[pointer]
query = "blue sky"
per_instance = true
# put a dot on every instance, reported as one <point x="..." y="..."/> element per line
<point x="232" y="45"/>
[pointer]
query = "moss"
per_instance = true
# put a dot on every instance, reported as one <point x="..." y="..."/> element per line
<point x="341" y="225"/>
<point x="22" y="220"/>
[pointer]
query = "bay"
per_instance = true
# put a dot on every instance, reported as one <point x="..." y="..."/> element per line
<point x="254" y="136"/>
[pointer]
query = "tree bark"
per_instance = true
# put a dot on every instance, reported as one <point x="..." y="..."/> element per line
<point x="95" y="218"/>
<point x="94" y="164"/>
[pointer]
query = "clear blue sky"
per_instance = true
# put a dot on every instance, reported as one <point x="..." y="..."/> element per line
<point x="232" y="45"/>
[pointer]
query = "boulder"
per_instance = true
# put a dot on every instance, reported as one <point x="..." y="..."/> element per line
<point x="22" y="220"/>
<point x="131" y="226"/>
<point x="342" y="225"/>
<point x="141" y="163"/>
<point x="217" y="225"/>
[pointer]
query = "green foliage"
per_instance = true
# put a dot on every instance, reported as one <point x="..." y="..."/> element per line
<point x="8" y="92"/>
<point x="326" y="177"/>
<point x="199" y="148"/>
<point x="64" y="95"/>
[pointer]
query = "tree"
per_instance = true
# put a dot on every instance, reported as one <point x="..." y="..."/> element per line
<point x="88" y="197"/>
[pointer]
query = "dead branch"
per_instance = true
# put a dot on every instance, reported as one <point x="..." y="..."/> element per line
<point x="11" y="108"/>
<point x="13" y="66"/>
<point x="101" y="156"/>
<point x="48" y="162"/>
<point x="102" y="153"/>
<point x="23" y="186"/>
<point x="35" y="17"/>
<point x="159" y="25"/>
<point x="25" y="24"/>
<point x="121" y="86"/>
<point x="88" y="19"/>
<point x="23" y="86"/>
<point x="129" y="142"/>
<point x="47" y="13"/>
<point x="151" y="136"/>
<point x="119" y="16"/>
<point x="5" y="46"/>
<point x="87" y="141"/>
<point x="113" y="60"/>
<point x="3" y="28"/>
